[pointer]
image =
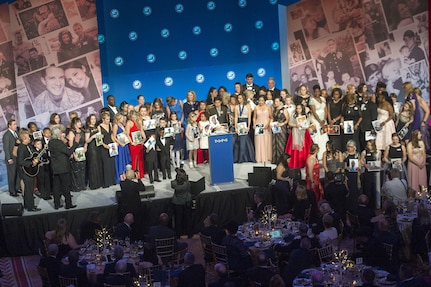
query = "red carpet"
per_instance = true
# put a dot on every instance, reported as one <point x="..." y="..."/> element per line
<point x="19" y="271"/>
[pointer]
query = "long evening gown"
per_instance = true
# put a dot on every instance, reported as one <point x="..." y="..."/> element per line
<point x="78" y="167"/>
<point x="108" y="162"/>
<point x="352" y="182"/>
<point x="384" y="138"/>
<point x="94" y="162"/>
<point x="318" y="189"/>
<point x="243" y="150"/>
<point x="136" y="153"/>
<point x="335" y="110"/>
<point x="263" y="143"/>
<point x="298" y="145"/>
<point x="417" y="176"/>
<point x="122" y="159"/>
<point x="319" y="138"/>
<point x="279" y="139"/>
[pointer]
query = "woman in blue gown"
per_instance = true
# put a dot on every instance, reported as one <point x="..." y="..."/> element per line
<point x="123" y="158"/>
<point x="243" y="148"/>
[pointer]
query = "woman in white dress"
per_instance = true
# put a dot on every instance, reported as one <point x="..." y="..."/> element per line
<point x="385" y="114"/>
<point x="318" y="110"/>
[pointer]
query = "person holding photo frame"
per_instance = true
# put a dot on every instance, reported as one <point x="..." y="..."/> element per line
<point x="385" y="114"/>
<point x="94" y="163"/>
<point x="334" y="108"/>
<point x="263" y="142"/>
<point x="123" y="158"/>
<point x="319" y="112"/>
<point x="243" y="148"/>
<point x="108" y="162"/>
<point x="281" y="117"/>
<point x="417" y="172"/>
<point x="369" y="177"/>
<point x="135" y="147"/>
<point x="78" y="165"/>
<point x="351" y="112"/>
<point x="396" y="151"/>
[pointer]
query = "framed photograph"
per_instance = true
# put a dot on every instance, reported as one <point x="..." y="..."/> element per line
<point x="99" y="139"/>
<point x="137" y="137"/>
<point x="333" y="130"/>
<point x="312" y="129"/>
<point x="224" y="128"/>
<point x="369" y="135"/>
<point x="348" y="127"/>
<point x="214" y="121"/>
<point x="150" y="143"/>
<point x="177" y="128"/>
<point x="80" y="154"/>
<point x="169" y="132"/>
<point x="206" y="131"/>
<point x="149" y="124"/>
<point x="302" y="122"/>
<point x="123" y="138"/>
<point x="377" y="125"/>
<point x="374" y="165"/>
<point x="353" y="165"/>
<point x="397" y="163"/>
<point x="242" y="129"/>
<point x="195" y="131"/>
<point x="275" y="128"/>
<point x="258" y="130"/>
<point x="37" y="135"/>
<point x="397" y="107"/>
<point x="113" y="149"/>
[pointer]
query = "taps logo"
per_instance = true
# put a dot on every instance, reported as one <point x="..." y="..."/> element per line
<point x="137" y="84"/>
<point x="115" y="13"/>
<point x="214" y="52"/>
<point x="118" y="61"/>
<point x="245" y="49"/>
<point x="179" y="8"/>
<point x="164" y="33"/>
<point x="133" y="36"/>
<point x="196" y="30"/>
<point x="230" y="75"/>
<point x="225" y="140"/>
<point x="101" y="39"/>
<point x="169" y="81"/>
<point x="182" y="55"/>
<point x="147" y="11"/>
<point x="211" y="5"/>
<point x="242" y="3"/>
<point x="200" y="78"/>
<point x="228" y="27"/>
<point x="151" y="58"/>
<point x="275" y="46"/>
<point x="261" y="72"/>
<point x="105" y="88"/>
<point x="273" y="2"/>
<point x="258" y="24"/>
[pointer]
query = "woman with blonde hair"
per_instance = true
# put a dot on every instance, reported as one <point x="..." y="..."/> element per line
<point x="417" y="172"/>
<point x="133" y="127"/>
<point x="123" y="157"/>
<point x="108" y="162"/>
<point x="301" y="202"/>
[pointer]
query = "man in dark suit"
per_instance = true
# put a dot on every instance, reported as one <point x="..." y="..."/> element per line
<point x="364" y="212"/>
<point x="130" y="198"/>
<point x="52" y="264"/>
<point x="124" y="229"/>
<point x="111" y="267"/>
<point x="369" y="114"/>
<point x="112" y="108"/>
<point x="212" y="230"/>
<point x="164" y="151"/>
<point x="249" y="85"/>
<point x="72" y="270"/>
<point x="219" y="110"/>
<point x="118" y="277"/>
<point x="368" y="277"/>
<point x="25" y="161"/>
<point x="60" y="165"/>
<point x="261" y="273"/>
<point x="162" y="231"/>
<point x="271" y="87"/>
<point x="299" y="260"/>
<point x="45" y="176"/>
<point x="193" y="274"/>
<point x="88" y="227"/>
<point x="407" y="278"/>
<point x="258" y="208"/>
<point x="238" y="255"/>
<point x="10" y="138"/>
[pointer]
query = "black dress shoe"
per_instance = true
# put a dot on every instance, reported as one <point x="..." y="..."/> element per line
<point x="14" y="194"/>
<point x="19" y="191"/>
<point x="70" y="206"/>
<point x="164" y="177"/>
<point x="47" y="197"/>
<point x="57" y="207"/>
<point x="34" y="209"/>
<point x="169" y="176"/>
<point x="151" y="181"/>
<point x="158" y="180"/>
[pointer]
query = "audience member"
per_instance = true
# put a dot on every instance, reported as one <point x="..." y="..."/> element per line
<point x="51" y="263"/>
<point x="276" y="281"/>
<point x="364" y="212"/>
<point x="368" y="277"/>
<point x="120" y="276"/>
<point x="130" y="198"/>
<point x="407" y="278"/>
<point x="193" y="274"/>
<point x="124" y="229"/>
<point x="299" y="260"/>
<point x="162" y="231"/>
<point x="421" y="225"/>
<point x="395" y="188"/>
<point x="327" y="236"/>
<point x="72" y="270"/>
<point x="111" y="267"/>
<point x="261" y="273"/>
<point x="317" y="279"/>
<point x="238" y="256"/>
<point x="395" y="239"/>
<point x="369" y="248"/>
<point x="257" y="209"/>
<point x="212" y="230"/>
<point x="336" y="193"/>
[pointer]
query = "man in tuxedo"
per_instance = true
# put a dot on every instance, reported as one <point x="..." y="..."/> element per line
<point x="46" y="167"/>
<point x="164" y="151"/>
<point x="219" y="110"/>
<point x="72" y="270"/>
<point x="25" y="161"/>
<point x="51" y="263"/>
<point x="111" y="267"/>
<point x="60" y="165"/>
<point x="300" y="259"/>
<point x="364" y="212"/>
<point x="257" y="210"/>
<point x="10" y="138"/>
<point x="193" y="274"/>
<point x="369" y="114"/>
<point x="249" y="85"/>
<point x="124" y="229"/>
<point x="271" y="87"/>
<point x="112" y="108"/>
<point x="162" y="231"/>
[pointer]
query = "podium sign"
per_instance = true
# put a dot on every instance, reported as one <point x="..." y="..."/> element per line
<point x="221" y="158"/>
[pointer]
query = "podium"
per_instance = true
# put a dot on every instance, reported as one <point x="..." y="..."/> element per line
<point x="221" y="158"/>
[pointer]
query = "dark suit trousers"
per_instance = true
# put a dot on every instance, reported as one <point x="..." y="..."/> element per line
<point x="44" y="181"/>
<point x="165" y="165"/>
<point x="61" y="187"/>
<point x="152" y="168"/>
<point x="183" y="218"/>
<point x="12" y="179"/>
<point x="28" y="191"/>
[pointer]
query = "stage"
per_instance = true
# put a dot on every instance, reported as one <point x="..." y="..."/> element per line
<point x="24" y="235"/>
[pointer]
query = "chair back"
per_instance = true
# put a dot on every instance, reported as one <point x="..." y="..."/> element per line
<point x="165" y="248"/>
<point x="178" y="258"/>
<point x="207" y="248"/>
<point x="353" y="219"/>
<point x="150" y="272"/>
<point x="428" y="240"/>
<point x="220" y="254"/>
<point x="307" y="215"/>
<point x="44" y="276"/>
<point x="325" y="253"/>
<point x="388" y="251"/>
<point x="66" y="282"/>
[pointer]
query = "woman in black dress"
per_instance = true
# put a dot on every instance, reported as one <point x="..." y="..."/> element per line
<point x="335" y="115"/>
<point x="78" y="164"/>
<point x="108" y="162"/>
<point x="395" y="155"/>
<point x="351" y="112"/>
<point x="351" y="159"/>
<point x="94" y="164"/>
<point x="279" y="138"/>
<point x="370" y="178"/>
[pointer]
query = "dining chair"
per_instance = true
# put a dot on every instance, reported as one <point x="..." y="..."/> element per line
<point x="388" y="250"/>
<point x="307" y="215"/>
<point x="220" y="254"/>
<point x="150" y="272"/>
<point x="325" y="253"/>
<point x="178" y="258"/>
<point x="43" y="273"/>
<point x="165" y="248"/>
<point x="66" y="282"/>
<point x="428" y="240"/>
<point x="206" y="242"/>
<point x="354" y="221"/>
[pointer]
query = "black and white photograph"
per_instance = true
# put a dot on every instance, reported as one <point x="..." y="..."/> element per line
<point x="9" y="106"/>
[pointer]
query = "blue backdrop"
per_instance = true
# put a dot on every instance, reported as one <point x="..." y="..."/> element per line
<point x="161" y="48"/>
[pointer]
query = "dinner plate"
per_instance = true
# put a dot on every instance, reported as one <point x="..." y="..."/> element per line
<point x="383" y="281"/>
<point x="299" y="282"/>
<point x="262" y="244"/>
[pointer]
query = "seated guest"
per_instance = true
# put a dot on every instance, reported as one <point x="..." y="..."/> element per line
<point x="395" y="188"/>
<point x="369" y="248"/>
<point x="130" y="199"/>
<point x="385" y="235"/>
<point x="72" y="270"/>
<point x="212" y="230"/>
<point x="301" y="202"/>
<point x="368" y="277"/>
<point x="295" y="243"/>
<point x="192" y="274"/>
<point x="118" y="277"/>
<point x="150" y="257"/>
<point x="299" y="259"/>
<point x="89" y="227"/>
<point x="327" y="236"/>
<point x="63" y="238"/>
<point x="111" y="267"/>
<point x="325" y="208"/>
<point x="51" y="263"/>
<point x="317" y="279"/>
<point x="421" y="225"/>
<point x="258" y="207"/>
<point x="336" y="193"/>
<point x="223" y="279"/>
<point x="124" y="229"/>
<point x="407" y="278"/>
<point x="389" y="213"/>
<point x="260" y="273"/>
<point x="364" y="212"/>
<point x="276" y="281"/>
<point x="238" y="256"/>
<point x="162" y="231"/>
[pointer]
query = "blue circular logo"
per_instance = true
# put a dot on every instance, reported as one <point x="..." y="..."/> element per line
<point x="164" y="33"/>
<point x="151" y="58"/>
<point x="258" y="24"/>
<point x="101" y="39"/>
<point x="261" y="72"/>
<point x="105" y="87"/>
<point x="273" y="2"/>
<point x="168" y="81"/>
<point x="115" y="13"/>
<point x="118" y="61"/>
<point x="214" y="52"/>
<point x="200" y="78"/>
<point x="245" y="49"/>
<point x="179" y="8"/>
<point x="182" y="55"/>
<point x="275" y="46"/>
<point x="196" y="30"/>
<point x="242" y="3"/>
<point x="147" y="11"/>
<point x="133" y="36"/>
<point x="211" y="5"/>
<point x="228" y="27"/>
<point x="230" y="75"/>
<point x="137" y="84"/>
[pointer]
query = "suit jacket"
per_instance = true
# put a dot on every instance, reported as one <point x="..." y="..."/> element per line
<point x="160" y="232"/>
<point x="165" y="148"/>
<point x="111" y="112"/>
<point x="52" y="265"/>
<point x="275" y="93"/>
<point x="255" y="89"/>
<point x="110" y="268"/>
<point x="130" y="198"/>
<point x="369" y="114"/>
<point x="193" y="275"/>
<point x="122" y="230"/>
<point x="23" y="160"/>
<point x="8" y="144"/>
<point x="60" y="155"/>
<point x="222" y="117"/>
<point x="73" y="271"/>
<point x="299" y="260"/>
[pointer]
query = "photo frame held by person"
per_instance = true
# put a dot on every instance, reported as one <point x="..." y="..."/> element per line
<point x="275" y="128"/>
<point x="123" y="138"/>
<point x="259" y="130"/>
<point x="377" y="125"/>
<point x="99" y="139"/>
<point x="374" y="165"/>
<point x="370" y="135"/>
<point x="242" y="129"/>
<point x="348" y="127"/>
<point x="397" y="163"/>
<point x="80" y="154"/>
<point x="333" y="130"/>
<point x="353" y="165"/>
<point x="113" y="149"/>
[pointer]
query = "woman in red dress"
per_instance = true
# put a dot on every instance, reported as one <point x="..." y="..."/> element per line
<point x="312" y="169"/>
<point x="136" y="148"/>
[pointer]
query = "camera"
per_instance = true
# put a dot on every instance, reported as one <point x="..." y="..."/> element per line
<point x="339" y="178"/>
